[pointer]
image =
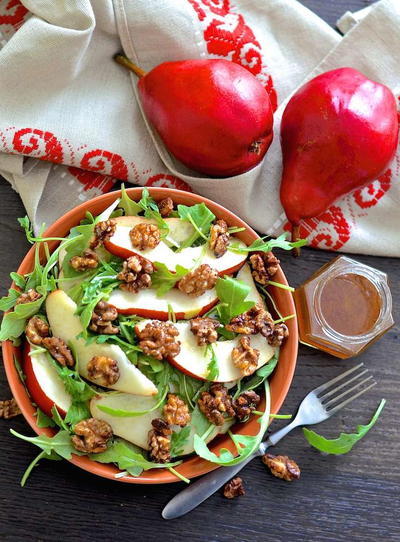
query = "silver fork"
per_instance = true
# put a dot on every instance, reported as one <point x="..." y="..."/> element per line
<point x="316" y="407"/>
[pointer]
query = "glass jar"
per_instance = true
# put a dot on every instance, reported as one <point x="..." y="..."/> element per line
<point x="344" y="307"/>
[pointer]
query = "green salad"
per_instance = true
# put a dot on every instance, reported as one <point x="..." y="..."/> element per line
<point x="147" y="332"/>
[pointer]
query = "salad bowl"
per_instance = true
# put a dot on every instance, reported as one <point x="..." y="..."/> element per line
<point x="279" y="382"/>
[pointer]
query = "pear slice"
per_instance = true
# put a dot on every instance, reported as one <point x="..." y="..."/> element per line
<point x="136" y="429"/>
<point x="120" y="245"/>
<point x="66" y="324"/>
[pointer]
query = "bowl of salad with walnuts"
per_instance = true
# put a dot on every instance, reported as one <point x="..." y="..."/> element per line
<point x="149" y="336"/>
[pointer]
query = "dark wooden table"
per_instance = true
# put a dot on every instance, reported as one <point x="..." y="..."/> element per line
<point x="350" y="497"/>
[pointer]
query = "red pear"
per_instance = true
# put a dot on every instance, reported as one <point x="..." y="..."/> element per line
<point x="212" y="114"/>
<point x="338" y="132"/>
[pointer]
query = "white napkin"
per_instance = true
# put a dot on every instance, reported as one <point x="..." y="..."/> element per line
<point x="65" y="101"/>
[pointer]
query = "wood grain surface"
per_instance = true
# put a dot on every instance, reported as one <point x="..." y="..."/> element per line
<point x="338" y="498"/>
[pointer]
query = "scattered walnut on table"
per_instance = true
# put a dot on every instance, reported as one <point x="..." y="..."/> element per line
<point x="103" y="369"/>
<point x="158" y="339"/>
<point x="135" y="274"/>
<point x="264" y="266"/>
<point x="255" y="320"/>
<point x="102" y="319"/>
<point x="91" y="436"/>
<point x="234" y="488"/>
<point x="219" y="238"/>
<point x="215" y="403"/>
<point x="9" y="409"/>
<point x="280" y="332"/>
<point x="282" y="466"/>
<point x="176" y="411"/>
<point x="88" y="260"/>
<point x="160" y="441"/>
<point x="59" y="351"/>
<point x="28" y="297"/>
<point x="36" y="330"/>
<point x="165" y="206"/>
<point x="145" y="236"/>
<point x="245" y="404"/>
<point x="103" y="231"/>
<point x="198" y="281"/>
<point x="244" y="357"/>
<point x="205" y="330"/>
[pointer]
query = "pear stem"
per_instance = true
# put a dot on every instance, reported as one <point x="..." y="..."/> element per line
<point x="296" y="237"/>
<point x="129" y="65"/>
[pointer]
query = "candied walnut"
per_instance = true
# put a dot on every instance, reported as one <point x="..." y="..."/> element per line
<point x="144" y="236"/>
<point x="88" y="260"/>
<point x="160" y="441"/>
<point x="219" y="238"/>
<point x="165" y="206"/>
<point x="282" y="466"/>
<point x="103" y="369"/>
<point x="245" y="404"/>
<point x="136" y="274"/>
<point x="279" y="334"/>
<point x="36" y="330"/>
<point x="102" y="319"/>
<point x="205" y="330"/>
<point x="158" y="339"/>
<point x="215" y="403"/>
<point x="103" y="231"/>
<point x="59" y="350"/>
<point x="264" y="266"/>
<point x="245" y="357"/>
<point x="9" y="409"/>
<point x="91" y="436"/>
<point x="176" y="411"/>
<point x="28" y="297"/>
<point x="198" y="281"/>
<point x="255" y="320"/>
<point x="234" y="488"/>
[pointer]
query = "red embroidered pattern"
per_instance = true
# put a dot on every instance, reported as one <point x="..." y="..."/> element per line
<point x="105" y="162"/>
<point x="91" y="180"/>
<point x="168" y="181"/>
<point x="369" y="195"/>
<point x="227" y="34"/>
<point x="38" y="144"/>
<point x="12" y="12"/>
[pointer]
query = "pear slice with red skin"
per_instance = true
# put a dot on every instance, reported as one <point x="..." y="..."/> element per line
<point x="43" y="383"/>
<point x="147" y="304"/>
<point x="120" y="245"/>
<point x="136" y="429"/>
<point x="65" y="324"/>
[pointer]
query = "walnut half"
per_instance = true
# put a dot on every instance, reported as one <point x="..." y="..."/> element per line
<point x="176" y="411"/>
<point x="282" y="466"/>
<point x="234" y="488"/>
<point x="215" y="403"/>
<point x="160" y="441"/>
<point x="245" y="357"/>
<point x="198" y="281"/>
<point x="9" y="409"/>
<point x="91" y="436"/>
<point x="158" y="339"/>
<point x="59" y="350"/>
<point x="104" y="370"/>
<point x="36" y="330"/>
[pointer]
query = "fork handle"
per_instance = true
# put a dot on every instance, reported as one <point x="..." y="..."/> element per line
<point x="200" y="490"/>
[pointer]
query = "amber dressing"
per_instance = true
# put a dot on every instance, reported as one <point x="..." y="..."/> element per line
<point x="344" y="307"/>
<point x="350" y="304"/>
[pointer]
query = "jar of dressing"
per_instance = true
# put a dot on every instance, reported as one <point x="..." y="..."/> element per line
<point x="344" y="307"/>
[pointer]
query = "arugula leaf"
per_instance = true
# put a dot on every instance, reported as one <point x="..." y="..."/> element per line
<point x="79" y="410"/>
<point x="8" y="302"/>
<point x="185" y="386"/>
<point x="13" y="323"/>
<point x="130" y="207"/>
<point x="58" y="420"/>
<point x="151" y="210"/>
<point x="178" y="441"/>
<point x="245" y="444"/>
<point x="42" y="420"/>
<point x="261" y="245"/>
<point x="345" y="442"/>
<point x="232" y="294"/>
<point x="53" y="456"/>
<point x="200" y="217"/>
<point x="121" y="413"/>
<point x="129" y="458"/>
<point x="163" y="279"/>
<point x="79" y="390"/>
<point x="18" y="279"/>
<point x="60" y="443"/>
<point x="212" y="367"/>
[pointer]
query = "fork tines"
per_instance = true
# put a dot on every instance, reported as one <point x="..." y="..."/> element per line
<point x="361" y="385"/>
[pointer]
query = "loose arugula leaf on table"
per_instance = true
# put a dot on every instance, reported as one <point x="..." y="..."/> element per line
<point x="178" y="441"/>
<point x="200" y="217"/>
<point x="245" y="444"/>
<point x="262" y="245"/>
<point x="345" y="442"/>
<point x="232" y="294"/>
<point x="212" y="367"/>
<point x="129" y="458"/>
<point x="163" y="279"/>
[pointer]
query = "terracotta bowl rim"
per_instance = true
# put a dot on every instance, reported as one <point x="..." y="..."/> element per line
<point x="192" y="466"/>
